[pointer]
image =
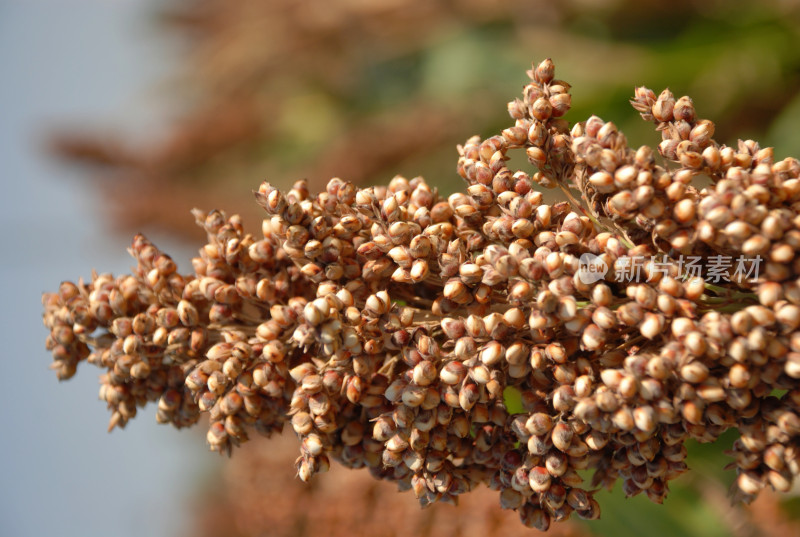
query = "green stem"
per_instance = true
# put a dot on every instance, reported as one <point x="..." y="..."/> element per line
<point x="716" y="288"/>
<point x="729" y="308"/>
<point x="731" y="293"/>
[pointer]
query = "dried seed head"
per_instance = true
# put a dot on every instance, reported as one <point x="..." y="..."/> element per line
<point x="491" y="300"/>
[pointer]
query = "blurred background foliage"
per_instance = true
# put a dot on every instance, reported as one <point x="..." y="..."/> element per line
<point x="366" y="89"/>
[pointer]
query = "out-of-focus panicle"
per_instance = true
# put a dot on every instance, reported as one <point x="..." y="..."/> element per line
<point x="390" y="326"/>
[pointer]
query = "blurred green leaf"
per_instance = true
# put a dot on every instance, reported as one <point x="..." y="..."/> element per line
<point x="513" y="400"/>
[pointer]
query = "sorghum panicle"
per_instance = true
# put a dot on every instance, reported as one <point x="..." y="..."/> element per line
<point x="388" y="325"/>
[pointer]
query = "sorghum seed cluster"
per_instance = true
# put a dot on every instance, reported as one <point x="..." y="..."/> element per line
<point x="389" y="326"/>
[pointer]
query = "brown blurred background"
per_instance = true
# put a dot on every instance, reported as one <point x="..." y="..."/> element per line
<point x="366" y="89"/>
